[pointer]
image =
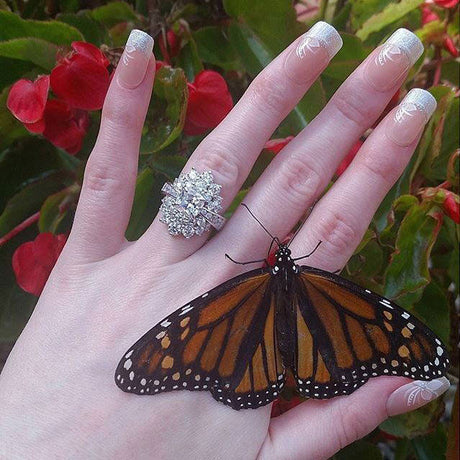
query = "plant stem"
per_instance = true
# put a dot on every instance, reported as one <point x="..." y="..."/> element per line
<point x="19" y="228"/>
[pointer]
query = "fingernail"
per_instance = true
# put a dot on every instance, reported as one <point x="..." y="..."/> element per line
<point x="135" y="58"/>
<point x="415" y="394"/>
<point x="317" y="47"/>
<point x="411" y="116"/>
<point x="393" y="59"/>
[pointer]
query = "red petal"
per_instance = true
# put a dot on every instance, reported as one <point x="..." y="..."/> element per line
<point x="428" y="15"/>
<point x="450" y="47"/>
<point x="38" y="127"/>
<point x="27" y="99"/>
<point x="446" y="3"/>
<point x="64" y="127"/>
<point x="174" y="43"/>
<point x="276" y="145"/>
<point x="451" y="206"/>
<point x="208" y="104"/>
<point x="34" y="260"/>
<point x="81" y="82"/>
<point x="91" y="51"/>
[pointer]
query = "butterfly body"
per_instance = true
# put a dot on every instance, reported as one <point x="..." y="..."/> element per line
<point x="239" y="339"/>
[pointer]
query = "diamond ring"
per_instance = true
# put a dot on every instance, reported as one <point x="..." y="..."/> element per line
<point x="192" y="204"/>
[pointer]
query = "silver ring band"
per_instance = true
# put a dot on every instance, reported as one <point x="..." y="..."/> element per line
<point x="192" y="204"/>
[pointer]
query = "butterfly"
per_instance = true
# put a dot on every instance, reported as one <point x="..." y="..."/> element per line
<point x="239" y="340"/>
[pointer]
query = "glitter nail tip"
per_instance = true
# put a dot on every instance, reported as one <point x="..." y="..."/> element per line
<point x="422" y="99"/>
<point x="408" y="42"/>
<point x="326" y="34"/>
<point x="140" y="41"/>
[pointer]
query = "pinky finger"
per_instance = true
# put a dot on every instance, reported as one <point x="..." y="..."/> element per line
<point x="318" y="429"/>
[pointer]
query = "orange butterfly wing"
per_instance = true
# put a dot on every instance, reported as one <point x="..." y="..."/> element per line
<point x="224" y="342"/>
<point x="347" y="334"/>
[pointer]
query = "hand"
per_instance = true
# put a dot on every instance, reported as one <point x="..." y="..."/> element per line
<point x="57" y="391"/>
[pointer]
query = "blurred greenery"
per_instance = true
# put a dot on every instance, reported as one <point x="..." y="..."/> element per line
<point x="410" y="252"/>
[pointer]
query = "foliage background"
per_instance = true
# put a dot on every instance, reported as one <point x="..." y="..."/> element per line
<point x="410" y="252"/>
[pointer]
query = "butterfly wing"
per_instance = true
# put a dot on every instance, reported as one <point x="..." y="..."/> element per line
<point x="223" y="341"/>
<point x="347" y="334"/>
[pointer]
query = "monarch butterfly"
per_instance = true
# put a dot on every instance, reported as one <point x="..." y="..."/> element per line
<point x="239" y="339"/>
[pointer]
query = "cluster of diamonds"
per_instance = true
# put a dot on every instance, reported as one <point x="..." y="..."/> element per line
<point x="192" y="204"/>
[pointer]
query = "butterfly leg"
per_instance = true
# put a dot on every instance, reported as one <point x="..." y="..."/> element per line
<point x="310" y="253"/>
<point x="246" y="263"/>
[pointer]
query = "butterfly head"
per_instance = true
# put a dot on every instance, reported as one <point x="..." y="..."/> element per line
<point x="283" y="260"/>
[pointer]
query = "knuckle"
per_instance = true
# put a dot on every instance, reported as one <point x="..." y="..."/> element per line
<point x="102" y="177"/>
<point x="268" y="93"/>
<point x="385" y="168"/>
<point x="299" y="181"/>
<point x="338" y="235"/>
<point x="349" y="426"/>
<point x="121" y="115"/>
<point x="222" y="162"/>
<point x="355" y="106"/>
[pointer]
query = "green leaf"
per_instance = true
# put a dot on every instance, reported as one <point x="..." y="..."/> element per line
<point x="91" y="30"/>
<point x="146" y="203"/>
<point x="12" y="26"/>
<point x="347" y="59"/>
<point x="390" y="14"/>
<point x="10" y="128"/>
<point x="273" y="21"/>
<point x="12" y="70"/>
<point x="54" y="213"/>
<point x="25" y="162"/>
<point x="362" y="10"/>
<point x="432" y="446"/>
<point x="189" y="60"/>
<point x="252" y="52"/>
<point x="166" y="114"/>
<point x="433" y="309"/>
<point x="215" y="48"/>
<point x="29" y="200"/>
<point x="168" y="165"/>
<point x="114" y="13"/>
<point x="416" y="423"/>
<point x="408" y="274"/>
<point x="359" y="450"/>
<point x="34" y="50"/>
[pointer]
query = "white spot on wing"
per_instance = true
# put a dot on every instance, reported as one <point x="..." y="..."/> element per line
<point x="166" y="323"/>
<point x="128" y="364"/>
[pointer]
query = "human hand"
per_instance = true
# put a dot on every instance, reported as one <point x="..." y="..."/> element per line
<point x="57" y="390"/>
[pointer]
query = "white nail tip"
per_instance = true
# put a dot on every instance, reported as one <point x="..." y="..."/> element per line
<point x="328" y="36"/>
<point x="422" y="99"/>
<point x="139" y="41"/>
<point x="407" y="42"/>
<point x="420" y="391"/>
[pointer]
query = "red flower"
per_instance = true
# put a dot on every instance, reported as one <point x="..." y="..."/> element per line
<point x="446" y="3"/>
<point x="451" y="206"/>
<point x="276" y="145"/>
<point x="428" y="15"/>
<point x="65" y="127"/>
<point x="34" y="260"/>
<point x="81" y="78"/>
<point x="209" y="102"/>
<point x="349" y="158"/>
<point x="174" y="42"/>
<point x="27" y="99"/>
<point x="450" y="46"/>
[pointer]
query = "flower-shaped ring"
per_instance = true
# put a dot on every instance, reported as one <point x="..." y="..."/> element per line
<point x="192" y="204"/>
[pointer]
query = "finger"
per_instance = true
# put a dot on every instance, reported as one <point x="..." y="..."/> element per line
<point x="232" y="148"/>
<point x="110" y="175"/>
<point x="318" y="429"/>
<point x="342" y="216"/>
<point x="299" y="173"/>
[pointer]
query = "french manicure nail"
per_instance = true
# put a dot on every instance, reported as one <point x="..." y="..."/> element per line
<point x="410" y="117"/>
<point x="415" y="394"/>
<point x="393" y="59"/>
<point x="318" y="46"/>
<point x="135" y="58"/>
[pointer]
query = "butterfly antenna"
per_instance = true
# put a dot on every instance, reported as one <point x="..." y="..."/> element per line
<point x="274" y="238"/>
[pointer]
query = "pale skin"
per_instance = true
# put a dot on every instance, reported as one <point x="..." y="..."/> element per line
<point x="57" y="390"/>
